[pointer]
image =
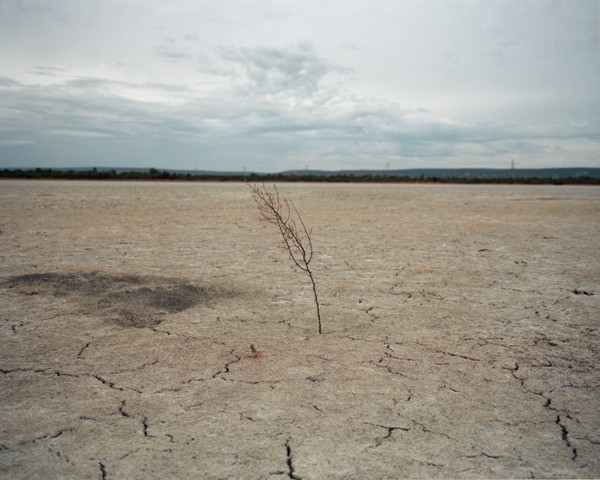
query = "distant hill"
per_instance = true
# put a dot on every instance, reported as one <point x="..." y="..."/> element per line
<point x="447" y="173"/>
<point x="416" y="173"/>
<point x="457" y="175"/>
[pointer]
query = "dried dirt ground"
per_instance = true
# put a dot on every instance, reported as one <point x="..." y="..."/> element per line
<point x="461" y="333"/>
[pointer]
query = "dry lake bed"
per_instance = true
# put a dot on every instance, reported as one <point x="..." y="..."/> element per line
<point x="461" y="332"/>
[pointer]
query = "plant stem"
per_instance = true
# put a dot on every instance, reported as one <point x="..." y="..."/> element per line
<point x="314" y="287"/>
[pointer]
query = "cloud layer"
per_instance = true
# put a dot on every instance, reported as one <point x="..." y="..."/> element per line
<point x="269" y="86"/>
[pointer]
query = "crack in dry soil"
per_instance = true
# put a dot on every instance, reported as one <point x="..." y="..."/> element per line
<point x="102" y="470"/>
<point x="57" y="373"/>
<point x="548" y="405"/>
<point x="48" y="436"/>
<point x="291" y="473"/>
<point x="225" y="369"/>
<point x="389" y="432"/>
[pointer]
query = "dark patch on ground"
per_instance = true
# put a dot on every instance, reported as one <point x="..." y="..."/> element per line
<point x="128" y="300"/>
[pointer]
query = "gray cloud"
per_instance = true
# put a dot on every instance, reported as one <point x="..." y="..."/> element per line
<point x="425" y="84"/>
<point x="173" y="52"/>
<point x="296" y="70"/>
<point x="362" y="133"/>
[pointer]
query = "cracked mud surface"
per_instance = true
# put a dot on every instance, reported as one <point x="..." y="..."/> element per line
<point x="461" y="333"/>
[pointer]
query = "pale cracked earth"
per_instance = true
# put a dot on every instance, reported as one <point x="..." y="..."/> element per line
<point x="461" y="333"/>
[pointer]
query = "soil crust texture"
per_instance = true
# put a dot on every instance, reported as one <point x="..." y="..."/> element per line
<point x="158" y="330"/>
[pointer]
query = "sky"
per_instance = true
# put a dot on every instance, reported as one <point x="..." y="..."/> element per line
<point x="269" y="86"/>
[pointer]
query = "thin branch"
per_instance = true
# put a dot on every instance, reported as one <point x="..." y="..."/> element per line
<point x="297" y="241"/>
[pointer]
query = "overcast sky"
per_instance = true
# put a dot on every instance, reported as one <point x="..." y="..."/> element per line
<point x="277" y="85"/>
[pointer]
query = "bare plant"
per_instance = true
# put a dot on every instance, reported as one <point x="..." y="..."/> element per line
<point x="297" y="240"/>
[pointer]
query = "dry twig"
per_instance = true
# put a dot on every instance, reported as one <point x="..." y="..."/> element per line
<point x="296" y="237"/>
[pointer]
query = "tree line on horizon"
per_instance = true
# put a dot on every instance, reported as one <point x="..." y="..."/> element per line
<point x="155" y="174"/>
